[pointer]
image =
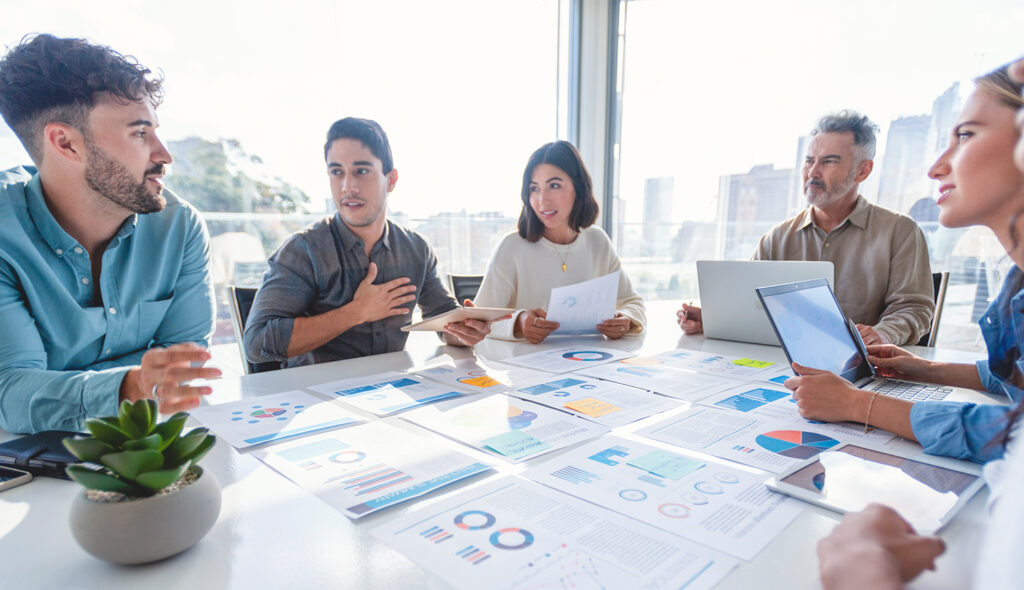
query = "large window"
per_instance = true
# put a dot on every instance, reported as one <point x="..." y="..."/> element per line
<point x="466" y="91"/>
<point x="717" y="100"/>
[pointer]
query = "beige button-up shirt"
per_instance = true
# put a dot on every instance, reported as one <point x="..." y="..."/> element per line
<point x="882" y="273"/>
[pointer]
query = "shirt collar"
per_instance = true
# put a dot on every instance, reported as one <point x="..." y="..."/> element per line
<point x="51" y="231"/>
<point x="857" y="217"/>
<point x="349" y="240"/>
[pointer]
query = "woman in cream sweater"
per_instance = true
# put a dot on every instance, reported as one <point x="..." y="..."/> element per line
<point x="556" y="245"/>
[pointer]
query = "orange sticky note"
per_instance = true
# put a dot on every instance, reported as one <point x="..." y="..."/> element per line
<point x="594" y="408"/>
<point x="481" y="381"/>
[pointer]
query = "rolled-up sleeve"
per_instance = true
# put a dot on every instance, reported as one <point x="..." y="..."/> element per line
<point x="288" y="291"/>
<point x="960" y="430"/>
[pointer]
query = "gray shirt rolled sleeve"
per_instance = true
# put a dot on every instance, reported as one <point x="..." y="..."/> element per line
<point x="318" y="270"/>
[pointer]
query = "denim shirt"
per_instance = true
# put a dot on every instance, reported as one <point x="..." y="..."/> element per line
<point x="964" y="430"/>
<point x="63" y="355"/>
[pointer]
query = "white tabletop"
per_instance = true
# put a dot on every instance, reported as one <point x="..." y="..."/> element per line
<point x="271" y="533"/>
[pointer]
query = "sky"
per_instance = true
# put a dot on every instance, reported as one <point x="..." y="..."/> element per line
<point x="464" y="89"/>
<point x="467" y="89"/>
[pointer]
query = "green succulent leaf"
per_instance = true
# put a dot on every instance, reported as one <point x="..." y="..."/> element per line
<point x="129" y="464"/>
<point x="87" y="448"/>
<point x="124" y="417"/>
<point x="179" y="451"/>
<point x="143" y="414"/>
<point x="203" y="448"/>
<point x="170" y="429"/>
<point x="158" y="480"/>
<point x="106" y="432"/>
<point x="97" y="480"/>
<point x="148" y="443"/>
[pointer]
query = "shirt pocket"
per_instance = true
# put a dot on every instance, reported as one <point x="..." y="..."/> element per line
<point x="151" y="315"/>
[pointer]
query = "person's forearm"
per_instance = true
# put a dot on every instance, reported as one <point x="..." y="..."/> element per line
<point x="955" y="375"/>
<point x="885" y="412"/>
<point x="310" y="333"/>
<point x="858" y="566"/>
<point x="452" y="340"/>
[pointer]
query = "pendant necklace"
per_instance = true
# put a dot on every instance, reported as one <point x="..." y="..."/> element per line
<point x="564" y="258"/>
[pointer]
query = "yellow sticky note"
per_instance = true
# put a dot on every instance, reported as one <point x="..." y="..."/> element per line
<point x="482" y="381"/>
<point x="752" y="363"/>
<point x="594" y="408"/>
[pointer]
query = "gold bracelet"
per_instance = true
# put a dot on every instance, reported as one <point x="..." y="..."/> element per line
<point x="867" y="418"/>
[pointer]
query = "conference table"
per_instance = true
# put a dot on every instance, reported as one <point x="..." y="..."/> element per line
<point x="271" y="533"/>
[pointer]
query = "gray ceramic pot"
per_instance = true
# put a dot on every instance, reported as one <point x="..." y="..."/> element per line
<point x="140" y="531"/>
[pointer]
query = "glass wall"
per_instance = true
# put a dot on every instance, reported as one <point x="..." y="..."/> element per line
<point x="717" y="100"/>
<point x="466" y="90"/>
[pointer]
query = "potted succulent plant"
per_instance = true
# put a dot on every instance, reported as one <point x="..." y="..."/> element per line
<point x="146" y="499"/>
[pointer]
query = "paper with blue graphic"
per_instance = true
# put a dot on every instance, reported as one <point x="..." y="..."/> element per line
<point x="581" y="307"/>
<point x="267" y="418"/>
<point x="364" y="469"/>
<point x="485" y="423"/>
<point x="387" y="393"/>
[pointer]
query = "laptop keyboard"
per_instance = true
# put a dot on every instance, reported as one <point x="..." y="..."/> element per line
<point x="912" y="392"/>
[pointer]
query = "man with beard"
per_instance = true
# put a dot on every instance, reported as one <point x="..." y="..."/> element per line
<point x="104" y="277"/>
<point x="882" y="273"/>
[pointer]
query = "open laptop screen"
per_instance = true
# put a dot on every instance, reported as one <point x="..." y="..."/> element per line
<point x="812" y="329"/>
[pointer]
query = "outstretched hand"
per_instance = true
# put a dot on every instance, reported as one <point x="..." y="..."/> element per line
<point x="471" y="331"/>
<point x="875" y="548"/>
<point x="822" y="395"/>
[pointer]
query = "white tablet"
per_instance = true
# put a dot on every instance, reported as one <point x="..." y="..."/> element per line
<point x="459" y="314"/>
<point x="850" y="477"/>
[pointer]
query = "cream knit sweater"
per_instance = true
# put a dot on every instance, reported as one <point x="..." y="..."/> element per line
<point x="521" y="276"/>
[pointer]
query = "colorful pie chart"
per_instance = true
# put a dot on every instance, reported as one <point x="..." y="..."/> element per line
<point x="587" y="355"/>
<point x="795" y="444"/>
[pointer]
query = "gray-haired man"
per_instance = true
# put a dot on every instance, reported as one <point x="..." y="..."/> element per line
<point x="882" y="274"/>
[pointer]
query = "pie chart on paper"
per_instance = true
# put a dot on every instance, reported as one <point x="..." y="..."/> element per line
<point x="795" y="444"/>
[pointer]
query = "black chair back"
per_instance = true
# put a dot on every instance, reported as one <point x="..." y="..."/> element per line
<point x="464" y="286"/>
<point x="940" y="280"/>
<point x="241" y="305"/>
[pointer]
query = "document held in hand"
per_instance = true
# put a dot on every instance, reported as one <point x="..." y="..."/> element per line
<point x="579" y="308"/>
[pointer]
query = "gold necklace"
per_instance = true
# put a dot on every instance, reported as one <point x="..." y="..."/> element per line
<point x="564" y="257"/>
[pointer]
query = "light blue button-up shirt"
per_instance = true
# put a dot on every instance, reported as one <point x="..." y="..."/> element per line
<point x="965" y="430"/>
<point x="62" y="354"/>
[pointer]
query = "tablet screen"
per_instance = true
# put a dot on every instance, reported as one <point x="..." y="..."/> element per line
<point x="813" y="329"/>
<point x="852" y="477"/>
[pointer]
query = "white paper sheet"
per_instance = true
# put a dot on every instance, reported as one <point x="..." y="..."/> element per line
<point x="258" y="420"/>
<point x="725" y="508"/>
<point x="505" y="426"/>
<point x="718" y="364"/>
<point x="516" y="534"/>
<point x="604" y="402"/>
<point x="387" y="393"/>
<point x="752" y="438"/>
<point x="568" y="358"/>
<point x="366" y="468"/>
<point x="664" y="379"/>
<point x="579" y="308"/>
<point x="478" y="375"/>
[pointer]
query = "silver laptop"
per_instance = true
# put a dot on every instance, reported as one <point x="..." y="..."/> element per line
<point x="729" y="306"/>
<point x="815" y="333"/>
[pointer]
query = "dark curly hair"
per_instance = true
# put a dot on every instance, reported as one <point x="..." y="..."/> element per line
<point x="565" y="156"/>
<point x="47" y="79"/>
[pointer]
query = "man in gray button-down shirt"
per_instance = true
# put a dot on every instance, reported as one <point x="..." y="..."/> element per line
<point x="344" y="286"/>
<point x="883" y="277"/>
